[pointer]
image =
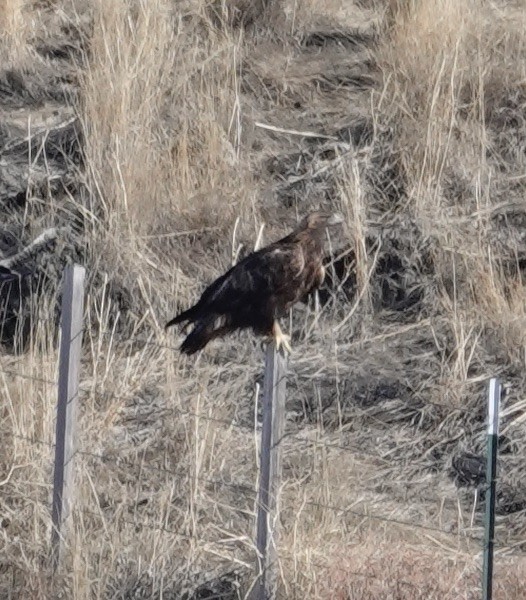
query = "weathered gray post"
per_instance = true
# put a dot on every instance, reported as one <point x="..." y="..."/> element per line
<point x="68" y="380"/>
<point x="274" y="386"/>
<point x="491" y="476"/>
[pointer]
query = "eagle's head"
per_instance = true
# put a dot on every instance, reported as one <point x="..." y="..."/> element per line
<point x="321" y="220"/>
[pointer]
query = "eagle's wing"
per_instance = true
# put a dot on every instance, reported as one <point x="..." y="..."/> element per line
<point x="225" y="291"/>
<point x="271" y="272"/>
<point x="250" y="294"/>
<point x="252" y="281"/>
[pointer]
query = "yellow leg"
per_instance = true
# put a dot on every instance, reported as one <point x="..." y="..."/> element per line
<point x="280" y="339"/>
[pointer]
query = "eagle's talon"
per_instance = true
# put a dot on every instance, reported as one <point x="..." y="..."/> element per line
<point x="285" y="342"/>
<point x="281" y="339"/>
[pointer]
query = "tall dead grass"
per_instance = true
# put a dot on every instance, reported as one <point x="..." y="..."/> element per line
<point x="162" y="116"/>
<point x="412" y="573"/>
<point x="169" y="171"/>
<point x="14" y="31"/>
<point x="450" y="69"/>
<point x="163" y="119"/>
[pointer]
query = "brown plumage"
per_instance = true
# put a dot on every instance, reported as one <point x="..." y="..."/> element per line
<point x="262" y="287"/>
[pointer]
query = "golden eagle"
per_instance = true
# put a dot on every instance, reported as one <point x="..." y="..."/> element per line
<point x="262" y="287"/>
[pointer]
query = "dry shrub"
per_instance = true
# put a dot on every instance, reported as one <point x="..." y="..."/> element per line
<point x="429" y="53"/>
<point x="241" y="12"/>
<point x="162" y="122"/>
<point x="500" y="304"/>
<point x="340" y="14"/>
<point x="28" y="410"/>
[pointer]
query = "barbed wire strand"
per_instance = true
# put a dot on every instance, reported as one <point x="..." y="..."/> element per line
<point x="171" y="411"/>
<point x="32" y="440"/>
<point x="502" y="550"/>
<point x="137" y="340"/>
<point x="148" y="342"/>
<point x="236" y="486"/>
<point x="229" y="423"/>
<point x="142" y="524"/>
<point x="296" y="561"/>
<point x="347" y="448"/>
<point x="245" y="489"/>
<point x="233" y="424"/>
<point x="194" y="538"/>
<point x="248" y="490"/>
<point x="162" y="529"/>
<point x="29" y="377"/>
<point x="176" y="349"/>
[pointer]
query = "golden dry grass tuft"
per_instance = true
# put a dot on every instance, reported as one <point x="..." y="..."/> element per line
<point x="168" y="102"/>
<point x="14" y="31"/>
<point x="455" y="69"/>
<point x="200" y="123"/>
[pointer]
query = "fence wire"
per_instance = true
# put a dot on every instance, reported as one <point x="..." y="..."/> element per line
<point x="292" y="560"/>
<point x="502" y="551"/>
<point x="148" y="342"/>
<point x="249" y="491"/>
<point x="28" y="377"/>
<point x="252" y="492"/>
<point x="242" y="488"/>
<point x="134" y="339"/>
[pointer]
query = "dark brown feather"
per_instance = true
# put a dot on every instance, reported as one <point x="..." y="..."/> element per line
<point x="260" y="288"/>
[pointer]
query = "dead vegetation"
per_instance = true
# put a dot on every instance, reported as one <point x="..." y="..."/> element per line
<point x="157" y="138"/>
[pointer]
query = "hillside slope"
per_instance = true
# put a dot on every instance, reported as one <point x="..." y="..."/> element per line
<point x="155" y="142"/>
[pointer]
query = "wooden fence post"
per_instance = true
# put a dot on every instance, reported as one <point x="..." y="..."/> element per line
<point x="274" y="386"/>
<point x="68" y="381"/>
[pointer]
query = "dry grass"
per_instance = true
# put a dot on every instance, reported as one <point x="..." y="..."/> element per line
<point x="420" y="111"/>
<point x="413" y="573"/>
<point x="14" y="31"/>
<point x="447" y="92"/>
<point x="180" y="87"/>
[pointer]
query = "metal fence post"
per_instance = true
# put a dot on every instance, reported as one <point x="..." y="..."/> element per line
<point x="68" y="379"/>
<point x="491" y="475"/>
<point x="270" y="474"/>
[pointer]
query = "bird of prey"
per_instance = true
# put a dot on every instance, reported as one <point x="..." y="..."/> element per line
<point x="261" y="288"/>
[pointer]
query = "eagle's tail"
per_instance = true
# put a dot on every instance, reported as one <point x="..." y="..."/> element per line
<point x="187" y="315"/>
<point x="201" y="334"/>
